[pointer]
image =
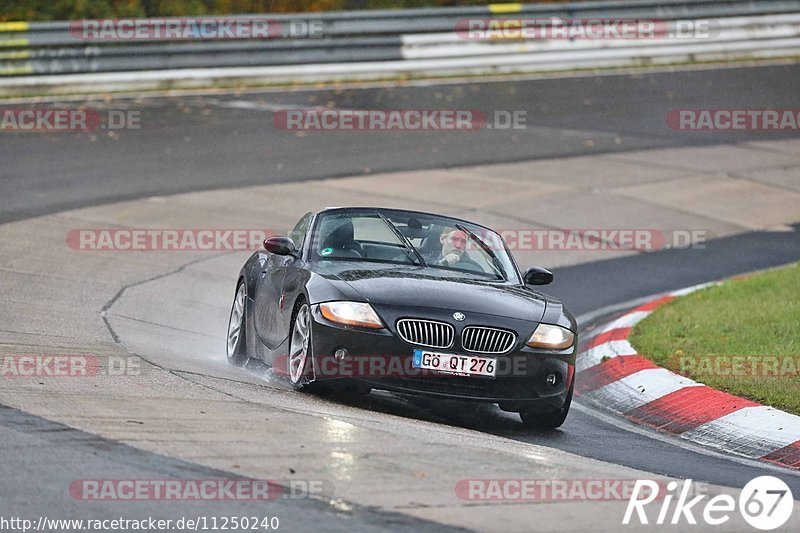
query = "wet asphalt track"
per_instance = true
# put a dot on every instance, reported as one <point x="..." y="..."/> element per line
<point x="229" y="146"/>
<point x="42" y="459"/>
<point x="207" y="142"/>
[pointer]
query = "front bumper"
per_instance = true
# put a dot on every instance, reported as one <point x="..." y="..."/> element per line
<point x="383" y="360"/>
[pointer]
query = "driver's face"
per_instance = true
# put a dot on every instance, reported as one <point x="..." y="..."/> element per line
<point x="453" y="242"/>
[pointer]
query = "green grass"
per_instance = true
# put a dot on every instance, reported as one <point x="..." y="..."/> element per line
<point x="758" y="317"/>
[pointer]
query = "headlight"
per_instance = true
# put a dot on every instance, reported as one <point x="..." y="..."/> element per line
<point x="551" y="337"/>
<point x="351" y="314"/>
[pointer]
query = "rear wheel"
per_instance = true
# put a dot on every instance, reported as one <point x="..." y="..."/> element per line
<point x="237" y="345"/>
<point x="536" y="418"/>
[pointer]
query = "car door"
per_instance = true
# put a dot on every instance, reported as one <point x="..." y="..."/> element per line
<point x="271" y="320"/>
<point x="272" y="269"/>
<point x="295" y="275"/>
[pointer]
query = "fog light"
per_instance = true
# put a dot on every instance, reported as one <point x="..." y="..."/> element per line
<point x="552" y="379"/>
<point x="340" y="354"/>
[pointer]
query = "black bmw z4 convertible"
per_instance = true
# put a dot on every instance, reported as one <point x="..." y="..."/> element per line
<point x="362" y="298"/>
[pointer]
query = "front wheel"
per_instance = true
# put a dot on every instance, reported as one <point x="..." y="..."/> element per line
<point x="237" y="345"/>
<point x="300" y="349"/>
<point x="301" y="353"/>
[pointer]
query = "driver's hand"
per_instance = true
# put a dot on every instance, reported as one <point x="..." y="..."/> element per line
<point x="450" y="259"/>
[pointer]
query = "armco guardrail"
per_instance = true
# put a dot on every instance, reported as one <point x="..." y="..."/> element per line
<point x="361" y="44"/>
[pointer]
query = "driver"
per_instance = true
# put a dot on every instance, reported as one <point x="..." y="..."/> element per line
<point x="454" y="243"/>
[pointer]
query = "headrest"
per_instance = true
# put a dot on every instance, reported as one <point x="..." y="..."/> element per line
<point x="338" y="232"/>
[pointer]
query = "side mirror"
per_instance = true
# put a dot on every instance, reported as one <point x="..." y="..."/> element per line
<point x="279" y="245"/>
<point x="537" y="276"/>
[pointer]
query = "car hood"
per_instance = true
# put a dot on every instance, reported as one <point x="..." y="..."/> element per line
<point x="426" y="287"/>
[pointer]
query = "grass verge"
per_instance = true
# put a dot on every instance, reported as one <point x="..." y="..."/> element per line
<point x="742" y="337"/>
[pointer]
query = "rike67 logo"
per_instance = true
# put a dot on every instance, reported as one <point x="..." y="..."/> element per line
<point x="766" y="503"/>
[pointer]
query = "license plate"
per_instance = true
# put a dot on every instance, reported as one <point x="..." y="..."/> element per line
<point x="459" y="365"/>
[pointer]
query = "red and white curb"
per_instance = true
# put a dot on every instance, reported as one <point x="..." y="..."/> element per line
<point x="613" y="376"/>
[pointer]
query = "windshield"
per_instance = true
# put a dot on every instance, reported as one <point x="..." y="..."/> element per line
<point x="413" y="239"/>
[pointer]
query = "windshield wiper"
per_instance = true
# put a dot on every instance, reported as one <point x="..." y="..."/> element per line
<point x="406" y="244"/>
<point x="499" y="267"/>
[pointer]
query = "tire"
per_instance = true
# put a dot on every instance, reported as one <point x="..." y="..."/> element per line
<point x="301" y="349"/>
<point x="535" y="418"/>
<point x="236" y="345"/>
<point x="301" y="372"/>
